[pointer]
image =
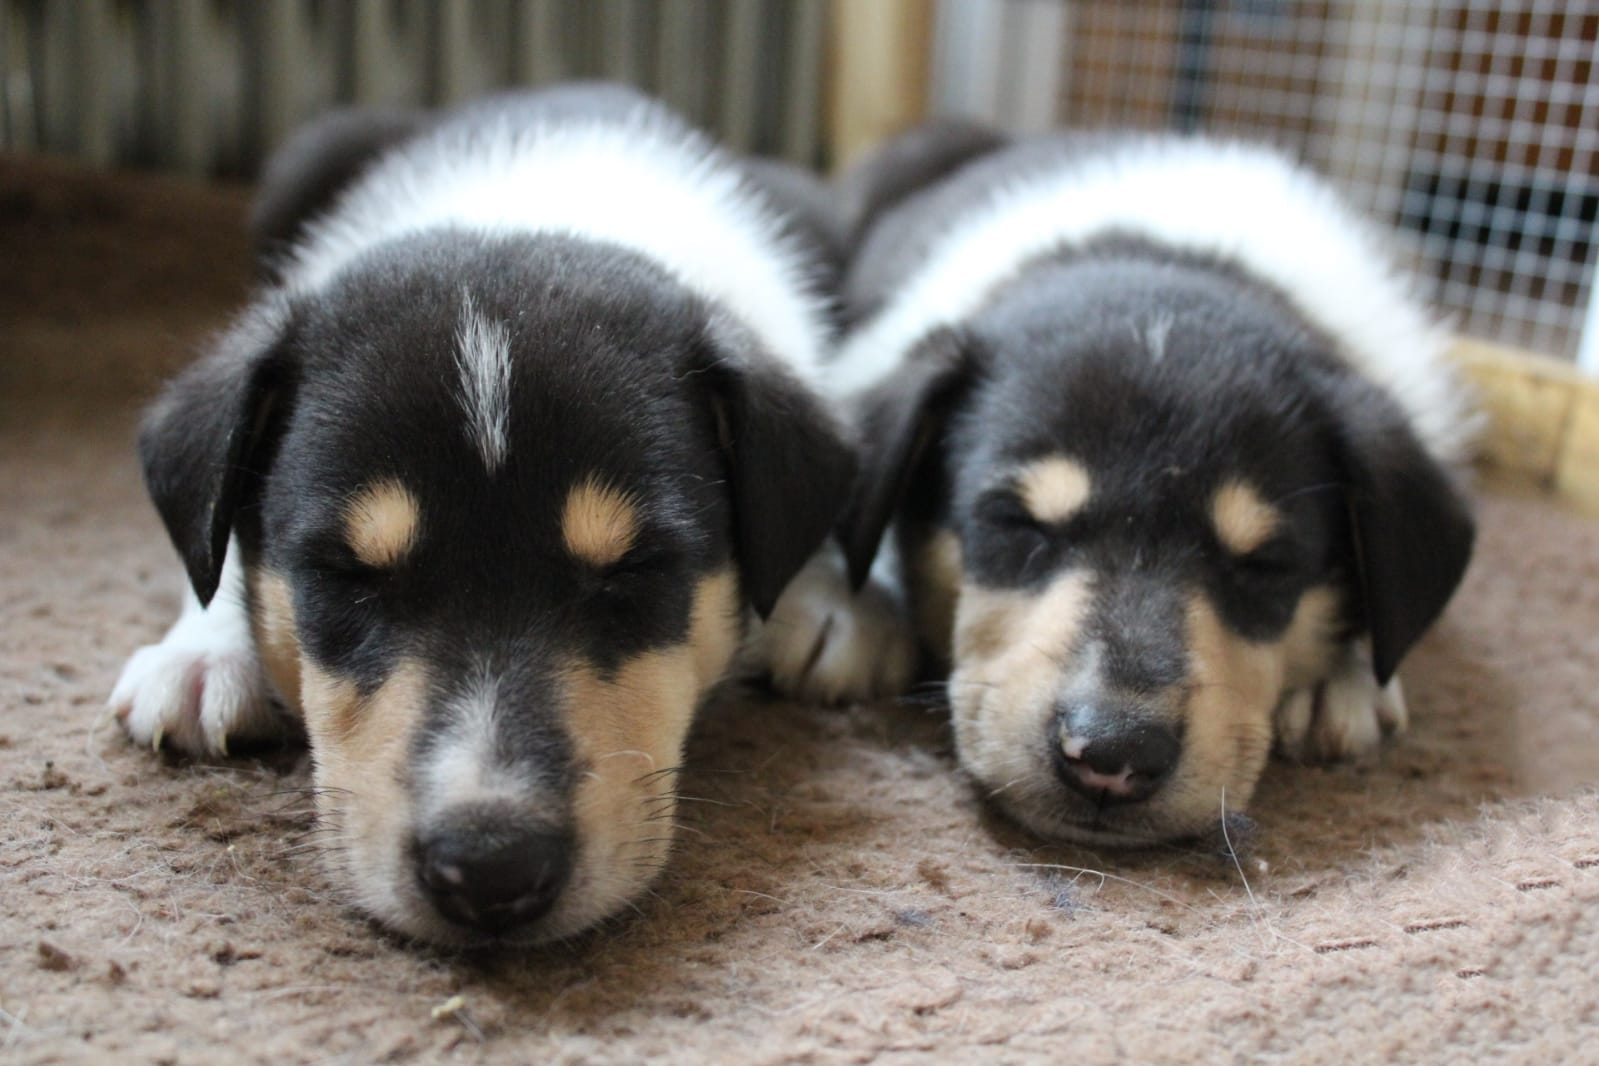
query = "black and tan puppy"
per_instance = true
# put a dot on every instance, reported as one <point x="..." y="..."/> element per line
<point x="482" y="485"/>
<point x="1169" y="448"/>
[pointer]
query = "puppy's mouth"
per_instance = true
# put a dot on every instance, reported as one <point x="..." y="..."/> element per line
<point x="1050" y="808"/>
<point x="1080" y="820"/>
<point x="493" y="890"/>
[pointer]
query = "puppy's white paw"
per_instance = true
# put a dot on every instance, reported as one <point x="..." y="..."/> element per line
<point x="196" y="689"/>
<point x="826" y="643"/>
<point x="1344" y="716"/>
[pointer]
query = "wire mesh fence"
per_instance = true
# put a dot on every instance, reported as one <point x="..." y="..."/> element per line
<point x="1471" y="127"/>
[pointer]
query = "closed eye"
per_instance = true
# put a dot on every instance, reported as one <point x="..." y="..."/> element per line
<point x="1022" y="546"/>
<point x="336" y="560"/>
<point x="644" y="566"/>
<point x="1004" y="511"/>
<point x="1276" y="558"/>
<point x="636" y="563"/>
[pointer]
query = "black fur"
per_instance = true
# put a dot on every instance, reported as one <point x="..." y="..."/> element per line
<point x="1057" y="361"/>
<point x="201" y="442"/>
<point x="620" y="374"/>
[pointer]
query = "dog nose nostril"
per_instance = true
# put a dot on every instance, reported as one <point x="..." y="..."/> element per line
<point x="494" y="881"/>
<point x="1113" y="756"/>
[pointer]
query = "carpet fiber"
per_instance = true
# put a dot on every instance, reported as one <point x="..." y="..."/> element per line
<point x="839" y="894"/>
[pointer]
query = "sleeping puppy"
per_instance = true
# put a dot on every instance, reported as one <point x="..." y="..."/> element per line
<point x="481" y="486"/>
<point x="1169" y="451"/>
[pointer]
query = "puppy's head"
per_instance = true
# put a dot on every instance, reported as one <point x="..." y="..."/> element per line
<point x="502" y="505"/>
<point x="1138" y="503"/>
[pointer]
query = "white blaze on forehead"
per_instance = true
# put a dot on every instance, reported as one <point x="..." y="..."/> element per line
<point x="644" y="181"/>
<point x="1156" y="333"/>
<point x="483" y="358"/>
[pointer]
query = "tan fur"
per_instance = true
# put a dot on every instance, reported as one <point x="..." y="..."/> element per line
<point x="935" y="585"/>
<point x="623" y="727"/>
<point x="1009" y="647"/>
<point x="1235" y="685"/>
<point x="1243" y="520"/>
<point x="361" y="748"/>
<point x="277" y="638"/>
<point x="599" y="523"/>
<point x="380" y="523"/>
<point x="1014" y="656"/>
<point x="626" y="727"/>
<point x="1054" y="488"/>
<point x="1310" y="643"/>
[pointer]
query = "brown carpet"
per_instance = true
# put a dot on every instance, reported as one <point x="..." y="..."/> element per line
<point x="839" y="896"/>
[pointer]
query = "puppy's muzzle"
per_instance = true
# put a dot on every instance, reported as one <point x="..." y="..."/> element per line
<point x="1110" y="752"/>
<point x="492" y="877"/>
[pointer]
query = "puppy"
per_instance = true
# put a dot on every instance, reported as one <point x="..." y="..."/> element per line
<point x="481" y="485"/>
<point x="1169" y="450"/>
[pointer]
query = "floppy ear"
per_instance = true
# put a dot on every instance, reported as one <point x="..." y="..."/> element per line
<point x="202" y="437"/>
<point x="789" y="463"/>
<point x="1411" y="524"/>
<point x="901" y="420"/>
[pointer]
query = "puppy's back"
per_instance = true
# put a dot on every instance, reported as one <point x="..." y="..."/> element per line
<point x="595" y="162"/>
<point x="940" y="254"/>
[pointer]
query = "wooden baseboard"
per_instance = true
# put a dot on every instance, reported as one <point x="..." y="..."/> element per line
<point x="1543" y="421"/>
<point x="878" y="55"/>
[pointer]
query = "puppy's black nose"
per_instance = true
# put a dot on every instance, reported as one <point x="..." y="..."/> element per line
<point x="497" y="880"/>
<point x="1113" y="753"/>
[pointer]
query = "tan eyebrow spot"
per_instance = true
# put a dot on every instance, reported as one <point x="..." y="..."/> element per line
<point x="380" y="523"/>
<point x="1053" y="489"/>
<point x="1242" y="519"/>
<point x="599" y="523"/>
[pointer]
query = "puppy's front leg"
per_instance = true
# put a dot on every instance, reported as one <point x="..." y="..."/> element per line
<point x="827" y="643"/>
<point x="1346" y="715"/>
<point x="202" y="684"/>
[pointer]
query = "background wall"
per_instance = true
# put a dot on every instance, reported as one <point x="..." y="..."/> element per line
<point x="1469" y="127"/>
<point x="209" y="86"/>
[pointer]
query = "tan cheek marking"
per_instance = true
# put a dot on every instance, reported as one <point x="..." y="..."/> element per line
<point x="1235" y="685"/>
<point x="717" y="625"/>
<point x="1311" y="639"/>
<point x="1242" y="519"/>
<point x="635" y="722"/>
<point x="362" y="729"/>
<point x="380" y="523"/>
<point x="277" y="638"/>
<point x="361" y="748"/>
<point x="648" y="703"/>
<point x="1009" y="650"/>
<point x="935" y="587"/>
<point x="998" y="623"/>
<point x="1054" y="489"/>
<point x="599" y="523"/>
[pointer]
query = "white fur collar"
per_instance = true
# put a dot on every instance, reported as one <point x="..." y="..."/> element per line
<point x="1244" y="203"/>
<point x="638" y="183"/>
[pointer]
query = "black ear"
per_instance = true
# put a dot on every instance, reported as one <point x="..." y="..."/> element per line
<point x="900" y="421"/>
<point x="1411" y="524"/>
<point x="316" y="164"/>
<point x="201" y="438"/>
<point x="789" y="462"/>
